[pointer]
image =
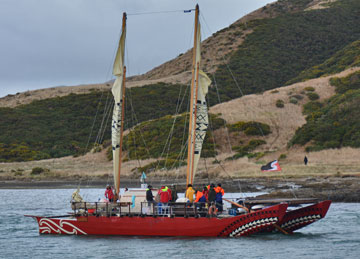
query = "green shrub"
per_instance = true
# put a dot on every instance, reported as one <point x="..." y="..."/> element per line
<point x="280" y="103"/>
<point x="282" y="157"/>
<point x="109" y="153"/>
<point x="297" y="96"/>
<point x="245" y="150"/>
<point x="37" y="170"/>
<point x="293" y="100"/>
<point x="254" y="143"/>
<point x="251" y="128"/>
<point x="310" y="107"/>
<point x="309" y="89"/>
<point x="313" y="96"/>
<point x="350" y="82"/>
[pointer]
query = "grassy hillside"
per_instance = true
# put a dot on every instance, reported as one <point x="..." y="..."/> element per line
<point x="335" y="122"/>
<point x="280" y="48"/>
<point x="57" y="127"/>
<point x="343" y="59"/>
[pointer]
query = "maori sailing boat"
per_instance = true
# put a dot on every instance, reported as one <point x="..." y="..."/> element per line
<point x="132" y="215"/>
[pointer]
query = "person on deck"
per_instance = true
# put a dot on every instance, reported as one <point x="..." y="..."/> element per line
<point x="164" y="194"/>
<point x="201" y="198"/>
<point x="199" y="195"/>
<point x="149" y="195"/>
<point x="212" y="193"/>
<point x="169" y="191"/>
<point x="109" y="195"/>
<point x="190" y="193"/>
<point x="206" y="193"/>
<point x="218" y="198"/>
<point x="174" y="195"/>
<point x="164" y="198"/>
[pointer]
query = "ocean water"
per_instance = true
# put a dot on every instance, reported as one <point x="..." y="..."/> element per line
<point x="336" y="236"/>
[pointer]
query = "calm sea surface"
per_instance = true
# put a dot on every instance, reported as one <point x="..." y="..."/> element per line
<point x="336" y="236"/>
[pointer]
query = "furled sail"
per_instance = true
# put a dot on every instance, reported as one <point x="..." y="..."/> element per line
<point x="199" y="115"/>
<point x="118" y="91"/>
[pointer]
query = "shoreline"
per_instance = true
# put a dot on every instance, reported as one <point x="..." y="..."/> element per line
<point x="337" y="189"/>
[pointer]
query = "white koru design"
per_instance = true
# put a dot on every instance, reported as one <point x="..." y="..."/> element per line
<point x="46" y="225"/>
<point x="254" y="224"/>
<point x="116" y="126"/>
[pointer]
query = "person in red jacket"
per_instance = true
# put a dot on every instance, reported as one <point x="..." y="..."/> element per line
<point x="169" y="191"/>
<point x="164" y="194"/>
<point x="165" y="197"/>
<point x="109" y="195"/>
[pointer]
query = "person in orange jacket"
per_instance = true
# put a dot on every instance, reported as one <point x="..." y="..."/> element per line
<point x="220" y="189"/>
<point x="199" y="195"/>
<point x="201" y="199"/>
<point x="218" y="198"/>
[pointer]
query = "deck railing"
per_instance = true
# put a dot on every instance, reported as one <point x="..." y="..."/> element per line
<point x="171" y="209"/>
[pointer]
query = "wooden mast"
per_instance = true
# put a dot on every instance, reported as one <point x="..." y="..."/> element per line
<point x="193" y="101"/>
<point x="117" y="193"/>
<point x="121" y="130"/>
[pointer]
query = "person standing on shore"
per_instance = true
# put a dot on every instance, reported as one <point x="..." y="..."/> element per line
<point x="306" y="160"/>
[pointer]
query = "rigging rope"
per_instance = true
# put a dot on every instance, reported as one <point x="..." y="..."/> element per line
<point x="162" y="12"/>
<point x="242" y="94"/>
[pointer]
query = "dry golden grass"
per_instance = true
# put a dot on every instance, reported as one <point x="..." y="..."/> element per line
<point x="283" y="121"/>
<point x="319" y="4"/>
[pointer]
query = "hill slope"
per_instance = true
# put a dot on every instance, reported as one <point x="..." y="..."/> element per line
<point x="263" y="50"/>
<point x="262" y="108"/>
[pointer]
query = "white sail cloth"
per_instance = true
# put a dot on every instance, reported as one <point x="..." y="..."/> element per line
<point x="117" y="91"/>
<point x="200" y="114"/>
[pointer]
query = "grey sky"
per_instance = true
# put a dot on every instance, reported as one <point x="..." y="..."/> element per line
<point x="47" y="43"/>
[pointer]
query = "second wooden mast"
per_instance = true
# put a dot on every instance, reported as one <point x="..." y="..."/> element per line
<point x="193" y="104"/>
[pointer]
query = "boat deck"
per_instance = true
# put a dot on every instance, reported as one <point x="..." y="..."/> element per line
<point x="146" y="209"/>
<point x="289" y="201"/>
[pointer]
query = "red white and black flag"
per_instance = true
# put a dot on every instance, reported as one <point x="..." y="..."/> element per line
<point x="273" y="166"/>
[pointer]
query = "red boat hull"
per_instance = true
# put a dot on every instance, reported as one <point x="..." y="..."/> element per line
<point x="234" y="226"/>
<point x="296" y="219"/>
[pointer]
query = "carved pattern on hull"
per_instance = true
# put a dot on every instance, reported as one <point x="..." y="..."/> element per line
<point x="289" y="225"/>
<point x="48" y="226"/>
<point x="240" y="231"/>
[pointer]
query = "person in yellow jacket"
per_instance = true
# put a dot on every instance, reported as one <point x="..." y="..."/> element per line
<point x="190" y="193"/>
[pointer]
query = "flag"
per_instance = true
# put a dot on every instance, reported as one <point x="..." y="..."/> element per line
<point x="273" y="166"/>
